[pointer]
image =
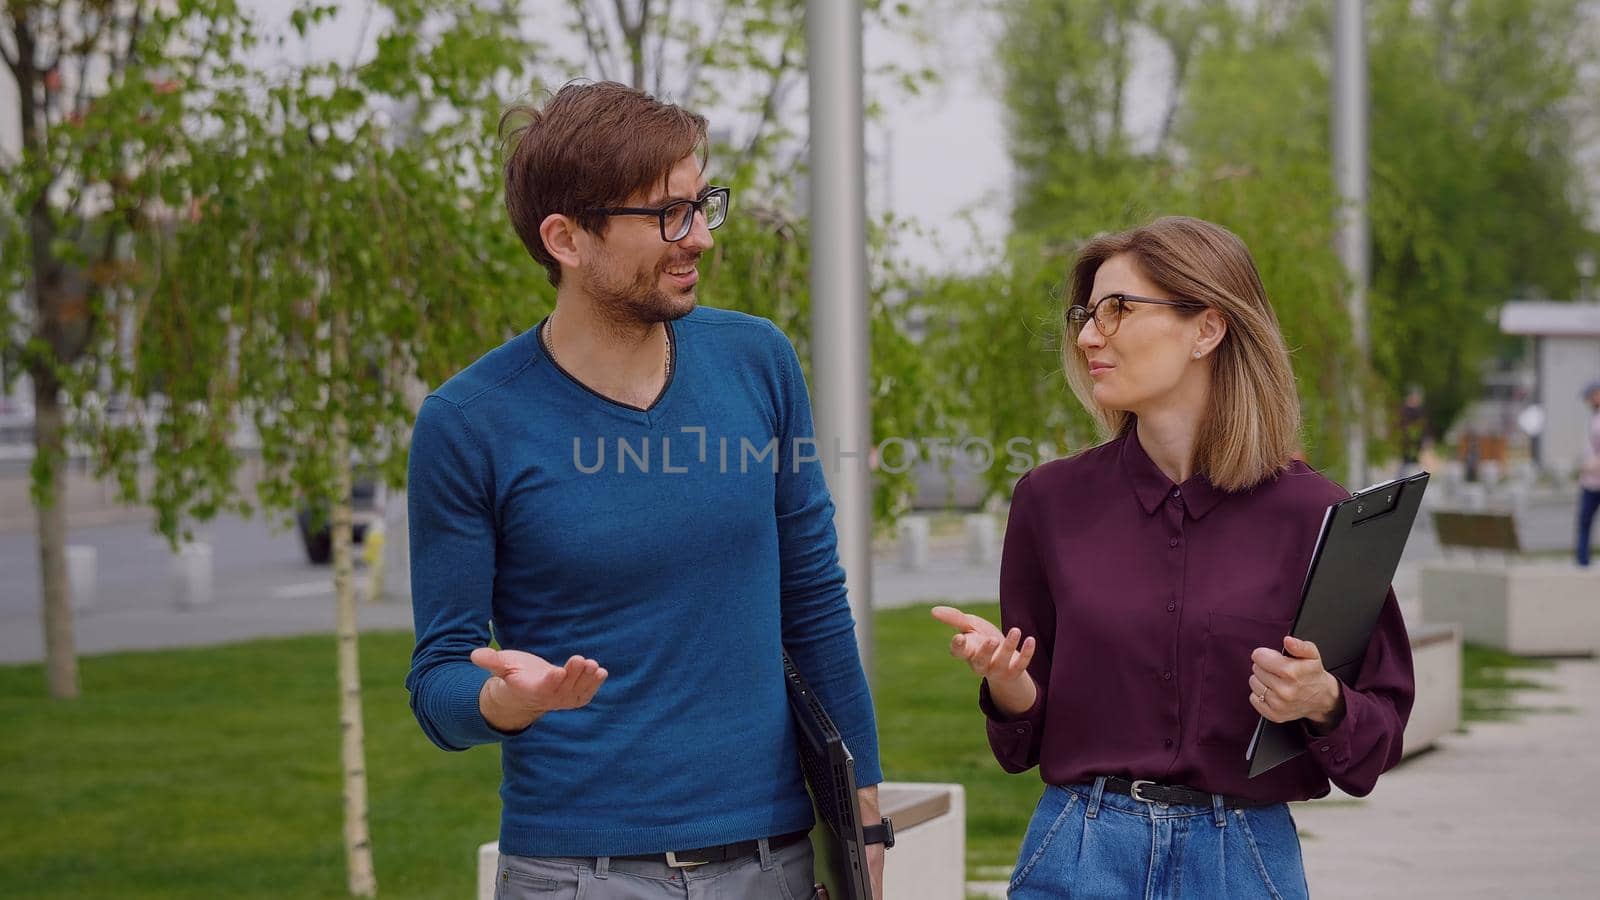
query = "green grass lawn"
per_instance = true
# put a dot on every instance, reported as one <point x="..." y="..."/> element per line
<point x="214" y="772"/>
<point x="1489" y="683"/>
<point x="931" y="730"/>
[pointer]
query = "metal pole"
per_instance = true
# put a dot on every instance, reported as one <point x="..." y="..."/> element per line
<point x="1350" y="175"/>
<point x="839" y="356"/>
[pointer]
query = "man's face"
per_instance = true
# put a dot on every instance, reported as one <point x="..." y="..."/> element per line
<point x="635" y="276"/>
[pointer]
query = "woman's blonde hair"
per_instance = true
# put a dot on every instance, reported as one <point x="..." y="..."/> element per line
<point x="1251" y="431"/>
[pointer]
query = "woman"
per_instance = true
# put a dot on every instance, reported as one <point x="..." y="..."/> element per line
<point x="1589" y="477"/>
<point x="1147" y="587"/>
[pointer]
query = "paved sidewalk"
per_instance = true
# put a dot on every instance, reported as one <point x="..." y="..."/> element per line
<point x="1506" y="809"/>
<point x="289" y="614"/>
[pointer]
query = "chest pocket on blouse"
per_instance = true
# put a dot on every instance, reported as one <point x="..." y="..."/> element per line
<point x="1226" y="716"/>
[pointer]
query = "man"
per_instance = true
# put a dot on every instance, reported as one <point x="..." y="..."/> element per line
<point x="1413" y="431"/>
<point x="629" y="493"/>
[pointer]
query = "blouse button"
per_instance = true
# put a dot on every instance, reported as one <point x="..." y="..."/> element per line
<point x="1168" y="742"/>
<point x="1176" y="493"/>
<point x="1167" y="675"/>
<point x="1172" y="543"/>
<point x="1171" y="607"/>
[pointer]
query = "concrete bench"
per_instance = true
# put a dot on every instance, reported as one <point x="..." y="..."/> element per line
<point x="928" y="861"/>
<point x="1525" y="607"/>
<point x="1476" y="530"/>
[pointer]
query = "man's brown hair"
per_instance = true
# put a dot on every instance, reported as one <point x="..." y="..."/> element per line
<point x="593" y="144"/>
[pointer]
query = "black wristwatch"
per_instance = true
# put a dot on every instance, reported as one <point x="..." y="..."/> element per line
<point x="881" y="833"/>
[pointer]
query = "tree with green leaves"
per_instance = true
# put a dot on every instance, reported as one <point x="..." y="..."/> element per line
<point x="1478" y="188"/>
<point x="1477" y="195"/>
<point x="110" y="110"/>
<point x="351" y="244"/>
<point x="219" y="245"/>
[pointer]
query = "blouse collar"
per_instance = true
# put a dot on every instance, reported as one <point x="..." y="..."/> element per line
<point x="1153" y="487"/>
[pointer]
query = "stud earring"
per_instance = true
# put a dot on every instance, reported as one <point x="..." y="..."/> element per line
<point x="1197" y="354"/>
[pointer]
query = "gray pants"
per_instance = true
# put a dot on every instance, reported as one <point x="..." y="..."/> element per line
<point x="783" y="874"/>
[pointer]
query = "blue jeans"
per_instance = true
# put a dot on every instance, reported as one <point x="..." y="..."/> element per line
<point x="1588" y="503"/>
<point x="1086" y="843"/>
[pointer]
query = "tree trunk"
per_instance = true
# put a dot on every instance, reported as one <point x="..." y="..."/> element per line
<point x="363" y="880"/>
<point x="49" y="501"/>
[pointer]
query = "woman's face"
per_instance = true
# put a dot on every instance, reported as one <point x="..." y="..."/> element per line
<point x="1150" y="352"/>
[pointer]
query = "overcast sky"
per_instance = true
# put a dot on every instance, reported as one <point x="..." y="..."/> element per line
<point x="936" y="159"/>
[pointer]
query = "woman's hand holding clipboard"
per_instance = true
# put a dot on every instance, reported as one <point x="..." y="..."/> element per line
<point x="1346" y="585"/>
<point x="1293" y="685"/>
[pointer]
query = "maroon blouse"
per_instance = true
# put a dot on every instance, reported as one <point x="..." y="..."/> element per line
<point x="1146" y="599"/>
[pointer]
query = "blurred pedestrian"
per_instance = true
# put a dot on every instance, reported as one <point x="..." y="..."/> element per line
<point x="1148" y="586"/>
<point x="1413" y="428"/>
<point x="1589" y="479"/>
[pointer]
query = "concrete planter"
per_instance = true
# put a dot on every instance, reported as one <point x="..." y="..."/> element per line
<point x="929" y="859"/>
<point x="1436" y="659"/>
<point x="1530" y="609"/>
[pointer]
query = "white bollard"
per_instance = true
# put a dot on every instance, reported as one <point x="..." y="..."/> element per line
<point x="982" y="538"/>
<point x="488" y="869"/>
<point x="1453" y="476"/>
<point x="914" y="542"/>
<point x="192" y="575"/>
<point x="397" y="550"/>
<point x="1491" y="473"/>
<point x="1518" y="497"/>
<point x="81" y="564"/>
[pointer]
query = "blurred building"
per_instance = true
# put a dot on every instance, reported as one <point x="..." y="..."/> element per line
<point x="1566" y="356"/>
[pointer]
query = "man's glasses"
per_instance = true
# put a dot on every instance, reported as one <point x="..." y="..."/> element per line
<point x="677" y="217"/>
<point x="1108" y="311"/>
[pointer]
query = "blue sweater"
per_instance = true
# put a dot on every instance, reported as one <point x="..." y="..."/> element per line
<point x="683" y="560"/>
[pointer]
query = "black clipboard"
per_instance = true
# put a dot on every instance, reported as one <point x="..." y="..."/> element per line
<point x="830" y="770"/>
<point x="1351" y="570"/>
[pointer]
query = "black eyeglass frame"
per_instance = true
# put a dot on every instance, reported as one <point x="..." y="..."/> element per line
<point x="1076" y="320"/>
<point x="661" y="212"/>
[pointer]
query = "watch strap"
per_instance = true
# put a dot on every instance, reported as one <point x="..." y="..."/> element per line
<point x="881" y="833"/>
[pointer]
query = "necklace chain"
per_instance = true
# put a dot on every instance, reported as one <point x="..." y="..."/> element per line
<point x="545" y="338"/>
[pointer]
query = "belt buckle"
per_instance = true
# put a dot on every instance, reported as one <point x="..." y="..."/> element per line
<point x="673" y="862"/>
<point x="1133" y="791"/>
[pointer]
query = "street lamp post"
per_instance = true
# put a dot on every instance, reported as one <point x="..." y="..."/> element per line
<point x="839" y="356"/>
<point x="1350" y="176"/>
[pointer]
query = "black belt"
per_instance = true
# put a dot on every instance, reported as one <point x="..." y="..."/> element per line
<point x="1150" y="792"/>
<point x="678" y="859"/>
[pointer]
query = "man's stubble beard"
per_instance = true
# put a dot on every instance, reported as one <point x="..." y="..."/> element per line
<point x="638" y="301"/>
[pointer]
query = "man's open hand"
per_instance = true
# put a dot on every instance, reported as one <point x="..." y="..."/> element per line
<point x="525" y="687"/>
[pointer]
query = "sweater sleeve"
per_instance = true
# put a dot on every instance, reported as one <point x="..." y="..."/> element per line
<point x="452" y="575"/>
<point x="818" y="628"/>
<point x="1025" y="603"/>
<point x="1366" y="742"/>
